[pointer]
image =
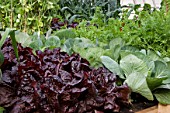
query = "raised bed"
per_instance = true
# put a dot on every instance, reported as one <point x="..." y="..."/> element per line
<point x="156" y="109"/>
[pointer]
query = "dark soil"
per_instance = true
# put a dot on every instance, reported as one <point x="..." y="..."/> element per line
<point x="138" y="107"/>
<point x="138" y="103"/>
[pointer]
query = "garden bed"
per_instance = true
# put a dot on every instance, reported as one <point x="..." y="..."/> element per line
<point x="104" y="64"/>
<point x="75" y="81"/>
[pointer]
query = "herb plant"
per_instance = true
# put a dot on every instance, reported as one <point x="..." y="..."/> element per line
<point x="147" y="30"/>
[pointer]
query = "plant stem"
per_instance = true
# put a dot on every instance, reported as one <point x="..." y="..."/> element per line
<point x="11" y="13"/>
<point x="25" y="18"/>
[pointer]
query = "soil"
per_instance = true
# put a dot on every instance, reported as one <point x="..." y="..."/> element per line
<point x="138" y="103"/>
<point x="138" y="107"/>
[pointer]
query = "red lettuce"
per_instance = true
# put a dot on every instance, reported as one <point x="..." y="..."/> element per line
<point x="54" y="82"/>
<point x="56" y="24"/>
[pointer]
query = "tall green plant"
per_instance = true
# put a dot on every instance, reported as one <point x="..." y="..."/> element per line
<point x="28" y="15"/>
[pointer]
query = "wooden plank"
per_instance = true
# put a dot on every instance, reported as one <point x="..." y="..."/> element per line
<point x="153" y="109"/>
<point x="163" y="108"/>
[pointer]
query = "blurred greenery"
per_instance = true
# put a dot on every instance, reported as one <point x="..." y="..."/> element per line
<point x="28" y="15"/>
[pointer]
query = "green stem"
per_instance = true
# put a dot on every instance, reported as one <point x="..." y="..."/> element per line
<point x="11" y="13"/>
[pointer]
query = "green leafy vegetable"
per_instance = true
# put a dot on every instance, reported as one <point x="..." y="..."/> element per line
<point x="137" y="82"/>
<point x="165" y="86"/>
<point x="131" y="64"/>
<point x="163" y="96"/>
<point x="65" y="34"/>
<point x="154" y="82"/>
<point x="112" y="65"/>
<point x="167" y="81"/>
<point x="160" y="68"/>
<point x="115" y="47"/>
<point x="52" y="42"/>
<point x="37" y="44"/>
<point x="23" y="38"/>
